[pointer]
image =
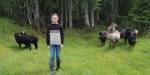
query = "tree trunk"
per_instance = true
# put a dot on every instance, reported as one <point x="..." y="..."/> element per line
<point x="66" y="14"/>
<point x="70" y="14"/>
<point x="92" y="13"/>
<point x="36" y="15"/>
<point x="62" y="13"/>
<point x="28" y="8"/>
<point x="87" y="22"/>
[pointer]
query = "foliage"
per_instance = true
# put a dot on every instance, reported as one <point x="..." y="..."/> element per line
<point x="139" y="15"/>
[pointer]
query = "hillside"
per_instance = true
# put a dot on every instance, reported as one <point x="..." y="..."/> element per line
<point x="81" y="55"/>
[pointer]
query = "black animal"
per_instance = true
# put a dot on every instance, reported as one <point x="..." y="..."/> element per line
<point x="132" y="38"/>
<point x="125" y="33"/>
<point x="33" y="40"/>
<point x="27" y="40"/>
<point x="102" y="37"/>
<point x="129" y="35"/>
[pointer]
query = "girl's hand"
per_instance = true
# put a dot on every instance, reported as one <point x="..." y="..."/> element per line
<point x="61" y="45"/>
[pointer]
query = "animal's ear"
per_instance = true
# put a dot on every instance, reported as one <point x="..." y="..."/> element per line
<point x="99" y="33"/>
<point x="22" y="32"/>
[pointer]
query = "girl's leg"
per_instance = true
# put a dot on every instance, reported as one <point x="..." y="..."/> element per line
<point x="58" y="56"/>
<point x="52" y="57"/>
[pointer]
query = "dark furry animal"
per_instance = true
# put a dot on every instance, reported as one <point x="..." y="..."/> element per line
<point x="129" y="35"/>
<point x="27" y="40"/>
<point x="125" y="33"/>
<point x="132" y="38"/>
<point x="34" y="40"/>
<point x="102" y="37"/>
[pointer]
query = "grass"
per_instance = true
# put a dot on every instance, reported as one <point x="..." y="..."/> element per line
<point x="81" y="55"/>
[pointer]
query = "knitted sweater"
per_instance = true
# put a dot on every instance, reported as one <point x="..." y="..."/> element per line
<point x="54" y="35"/>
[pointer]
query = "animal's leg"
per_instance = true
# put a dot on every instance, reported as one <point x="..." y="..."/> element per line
<point x="19" y="45"/>
<point x="36" y="45"/>
<point x="30" y="46"/>
<point x="110" y="44"/>
<point x="125" y="40"/>
<point x="117" y="42"/>
<point x="133" y="46"/>
<point x="113" y="44"/>
<point x="26" y="46"/>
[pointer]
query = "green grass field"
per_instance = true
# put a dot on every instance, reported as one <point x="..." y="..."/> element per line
<point x="81" y="55"/>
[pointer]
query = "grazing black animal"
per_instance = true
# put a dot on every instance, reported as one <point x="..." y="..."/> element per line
<point x="27" y="40"/>
<point x="102" y="37"/>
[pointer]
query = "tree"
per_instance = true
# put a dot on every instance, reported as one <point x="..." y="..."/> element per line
<point x="70" y="13"/>
<point x="140" y="18"/>
<point x="77" y="13"/>
<point x="87" y="21"/>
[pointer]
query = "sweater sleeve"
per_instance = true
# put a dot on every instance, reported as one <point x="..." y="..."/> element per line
<point x="47" y="36"/>
<point x="62" y="35"/>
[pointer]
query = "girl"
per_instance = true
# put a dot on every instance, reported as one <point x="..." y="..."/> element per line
<point x="55" y="40"/>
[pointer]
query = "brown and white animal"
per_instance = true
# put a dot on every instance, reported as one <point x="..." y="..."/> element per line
<point x="112" y="27"/>
<point x="113" y="37"/>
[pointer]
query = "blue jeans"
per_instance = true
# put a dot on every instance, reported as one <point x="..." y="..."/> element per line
<point x="54" y="51"/>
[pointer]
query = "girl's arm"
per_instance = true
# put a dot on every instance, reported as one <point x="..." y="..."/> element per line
<point x="47" y="36"/>
<point x="62" y="35"/>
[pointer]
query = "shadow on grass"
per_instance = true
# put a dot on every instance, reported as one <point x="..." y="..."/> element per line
<point x="100" y="45"/>
<point x="120" y="46"/>
<point x="108" y="48"/>
<point x="125" y="46"/>
<point x="16" y="48"/>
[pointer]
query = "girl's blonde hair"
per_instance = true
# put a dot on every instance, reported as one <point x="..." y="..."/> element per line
<point x="55" y="14"/>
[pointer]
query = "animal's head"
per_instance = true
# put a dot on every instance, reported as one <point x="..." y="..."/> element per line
<point x="102" y="37"/>
<point x="20" y="34"/>
<point x="102" y="34"/>
<point x="17" y="34"/>
<point x="128" y="31"/>
<point x="114" y="24"/>
<point x="23" y="33"/>
<point x="134" y="32"/>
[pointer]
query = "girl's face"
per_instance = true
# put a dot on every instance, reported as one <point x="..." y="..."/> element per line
<point x="55" y="19"/>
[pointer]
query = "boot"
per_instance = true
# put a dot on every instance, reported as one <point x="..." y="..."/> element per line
<point x="58" y="65"/>
<point x="51" y="67"/>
